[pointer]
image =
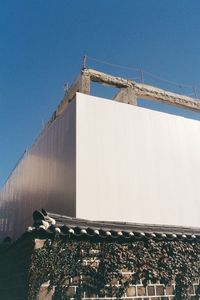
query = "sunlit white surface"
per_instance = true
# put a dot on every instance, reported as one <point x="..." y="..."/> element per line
<point x="134" y="164"/>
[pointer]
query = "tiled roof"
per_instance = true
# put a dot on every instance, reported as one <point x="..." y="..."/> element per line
<point x="49" y="223"/>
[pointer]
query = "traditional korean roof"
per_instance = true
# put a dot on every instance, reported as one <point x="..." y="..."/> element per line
<point x="47" y="223"/>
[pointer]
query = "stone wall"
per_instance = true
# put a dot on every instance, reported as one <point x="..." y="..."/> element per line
<point x="135" y="292"/>
<point x="15" y="262"/>
<point x="152" y="291"/>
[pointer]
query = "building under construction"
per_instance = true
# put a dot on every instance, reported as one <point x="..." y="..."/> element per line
<point x="119" y="188"/>
<point x="109" y="160"/>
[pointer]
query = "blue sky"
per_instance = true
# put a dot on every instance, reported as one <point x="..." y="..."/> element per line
<point x="42" y="44"/>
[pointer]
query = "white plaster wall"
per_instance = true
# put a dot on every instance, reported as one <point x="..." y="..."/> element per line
<point x="136" y="165"/>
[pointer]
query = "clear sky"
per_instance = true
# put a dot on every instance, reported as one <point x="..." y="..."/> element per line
<point x="42" y="44"/>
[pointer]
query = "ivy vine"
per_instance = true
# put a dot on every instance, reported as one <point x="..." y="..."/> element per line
<point x="98" y="266"/>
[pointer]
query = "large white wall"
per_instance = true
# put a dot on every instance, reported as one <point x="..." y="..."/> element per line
<point x="135" y="164"/>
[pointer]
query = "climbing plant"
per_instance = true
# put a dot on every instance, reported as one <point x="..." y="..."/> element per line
<point x="96" y="267"/>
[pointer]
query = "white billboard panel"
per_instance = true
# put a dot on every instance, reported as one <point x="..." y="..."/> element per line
<point x="136" y="165"/>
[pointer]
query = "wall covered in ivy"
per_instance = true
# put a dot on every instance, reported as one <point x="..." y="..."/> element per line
<point x="111" y="268"/>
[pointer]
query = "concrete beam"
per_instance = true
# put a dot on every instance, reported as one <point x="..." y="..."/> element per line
<point x="145" y="91"/>
<point x="126" y="95"/>
<point x="81" y="84"/>
<point x="84" y="83"/>
<point x="129" y="92"/>
<point x="71" y="93"/>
